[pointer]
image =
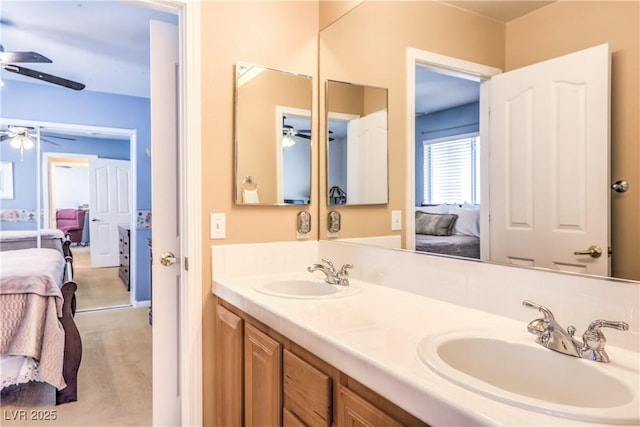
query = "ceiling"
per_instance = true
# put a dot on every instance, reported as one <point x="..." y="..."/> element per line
<point x="503" y="11"/>
<point x="103" y="44"/>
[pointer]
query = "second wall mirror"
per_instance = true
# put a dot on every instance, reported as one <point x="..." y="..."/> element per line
<point x="273" y="136"/>
<point x="357" y="144"/>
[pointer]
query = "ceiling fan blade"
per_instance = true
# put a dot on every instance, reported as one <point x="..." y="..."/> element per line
<point x="7" y="57"/>
<point x="300" y="135"/>
<point x="4" y="137"/>
<point x="60" y="137"/>
<point x="44" y="77"/>
<point x="49" y="141"/>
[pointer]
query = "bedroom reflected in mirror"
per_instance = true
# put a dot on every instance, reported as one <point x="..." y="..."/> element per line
<point x="273" y="136"/>
<point x="357" y="144"/>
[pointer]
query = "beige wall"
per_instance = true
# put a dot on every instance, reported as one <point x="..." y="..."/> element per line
<point x="569" y="26"/>
<point x="331" y="10"/>
<point x="280" y="35"/>
<point x="368" y="46"/>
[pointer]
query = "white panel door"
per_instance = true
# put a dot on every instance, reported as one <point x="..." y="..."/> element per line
<point x="549" y="163"/>
<point x="109" y="206"/>
<point x="165" y="204"/>
<point x="367" y="159"/>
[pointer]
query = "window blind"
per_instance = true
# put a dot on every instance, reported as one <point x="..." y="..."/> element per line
<point x="452" y="171"/>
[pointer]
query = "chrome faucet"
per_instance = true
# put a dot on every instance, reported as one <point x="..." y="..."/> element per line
<point x="332" y="276"/>
<point x="552" y="336"/>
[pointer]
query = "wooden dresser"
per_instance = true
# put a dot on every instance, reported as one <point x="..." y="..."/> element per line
<point x="124" y="232"/>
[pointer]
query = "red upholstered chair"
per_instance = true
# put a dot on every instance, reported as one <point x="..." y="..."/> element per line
<point x="71" y="222"/>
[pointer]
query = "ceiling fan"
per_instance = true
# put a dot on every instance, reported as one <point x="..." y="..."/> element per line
<point x="22" y="137"/>
<point x="290" y="131"/>
<point x="8" y="58"/>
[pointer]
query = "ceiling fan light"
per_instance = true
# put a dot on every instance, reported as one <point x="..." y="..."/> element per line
<point x="21" y="142"/>
<point x="287" y="141"/>
<point x="16" y="142"/>
<point x="27" y="143"/>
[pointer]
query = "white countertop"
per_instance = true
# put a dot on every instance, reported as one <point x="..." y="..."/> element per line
<point x="373" y="336"/>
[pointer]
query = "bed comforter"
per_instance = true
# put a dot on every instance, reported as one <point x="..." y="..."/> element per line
<point x="30" y="304"/>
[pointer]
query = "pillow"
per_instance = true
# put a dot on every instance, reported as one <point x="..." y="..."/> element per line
<point x="435" y="224"/>
<point x="436" y="209"/>
<point x="468" y="222"/>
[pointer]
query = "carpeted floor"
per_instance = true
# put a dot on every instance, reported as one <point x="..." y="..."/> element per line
<point x="97" y="287"/>
<point x="114" y="386"/>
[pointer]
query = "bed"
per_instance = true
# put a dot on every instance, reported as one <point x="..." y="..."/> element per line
<point x="448" y="230"/>
<point x="39" y="341"/>
<point x="455" y="245"/>
<point x="22" y="239"/>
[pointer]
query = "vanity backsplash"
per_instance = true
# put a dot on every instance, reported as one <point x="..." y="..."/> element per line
<point x="575" y="300"/>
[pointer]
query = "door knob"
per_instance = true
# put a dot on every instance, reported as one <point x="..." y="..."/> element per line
<point x="620" y="186"/>
<point x="167" y="258"/>
<point x="594" y="251"/>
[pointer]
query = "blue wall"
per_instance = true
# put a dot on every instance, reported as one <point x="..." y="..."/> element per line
<point x="50" y="103"/>
<point x="460" y="120"/>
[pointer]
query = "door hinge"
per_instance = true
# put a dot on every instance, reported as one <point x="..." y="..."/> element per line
<point x="186" y="264"/>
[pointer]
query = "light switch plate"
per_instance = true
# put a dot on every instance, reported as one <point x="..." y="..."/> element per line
<point x="217" y="227"/>
<point x="396" y="220"/>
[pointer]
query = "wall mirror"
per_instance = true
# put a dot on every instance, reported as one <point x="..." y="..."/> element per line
<point x="500" y="42"/>
<point x="273" y="136"/>
<point x="357" y="144"/>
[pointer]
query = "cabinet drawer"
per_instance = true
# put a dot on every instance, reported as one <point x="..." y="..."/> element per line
<point x="353" y="410"/>
<point x="307" y="392"/>
<point x="290" y="420"/>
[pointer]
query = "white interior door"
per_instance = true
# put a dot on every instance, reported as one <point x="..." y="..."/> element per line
<point x="549" y="163"/>
<point x="367" y="159"/>
<point x="165" y="205"/>
<point x="109" y="206"/>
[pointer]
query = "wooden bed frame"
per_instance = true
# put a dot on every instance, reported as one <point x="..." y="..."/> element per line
<point x="73" y="342"/>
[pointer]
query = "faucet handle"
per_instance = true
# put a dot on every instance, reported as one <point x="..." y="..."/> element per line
<point x="329" y="264"/>
<point x="541" y="308"/>
<point x="344" y="268"/>
<point x="594" y="340"/>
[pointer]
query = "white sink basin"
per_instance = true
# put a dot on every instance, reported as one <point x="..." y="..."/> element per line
<point x="305" y="288"/>
<point x="516" y="370"/>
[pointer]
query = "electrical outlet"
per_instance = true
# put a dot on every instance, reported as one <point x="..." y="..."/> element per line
<point x="217" y="226"/>
<point x="396" y="220"/>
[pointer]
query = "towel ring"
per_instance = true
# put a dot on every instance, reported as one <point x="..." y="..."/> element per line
<point x="248" y="183"/>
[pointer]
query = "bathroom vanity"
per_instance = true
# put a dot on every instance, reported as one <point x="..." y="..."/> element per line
<point x="386" y="350"/>
<point x="270" y="380"/>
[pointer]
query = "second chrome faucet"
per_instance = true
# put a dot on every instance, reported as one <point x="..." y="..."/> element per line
<point x="332" y="276"/>
<point x="552" y="336"/>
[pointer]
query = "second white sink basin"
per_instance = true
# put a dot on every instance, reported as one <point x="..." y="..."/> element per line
<point x="516" y="371"/>
<point x="305" y="288"/>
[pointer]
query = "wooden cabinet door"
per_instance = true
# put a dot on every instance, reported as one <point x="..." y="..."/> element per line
<point x="354" y="411"/>
<point x="262" y="379"/>
<point x="229" y="365"/>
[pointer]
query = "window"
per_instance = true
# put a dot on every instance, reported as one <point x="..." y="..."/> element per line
<point x="452" y="171"/>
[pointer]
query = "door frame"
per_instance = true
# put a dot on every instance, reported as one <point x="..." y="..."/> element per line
<point x="459" y="68"/>
<point x="47" y="158"/>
